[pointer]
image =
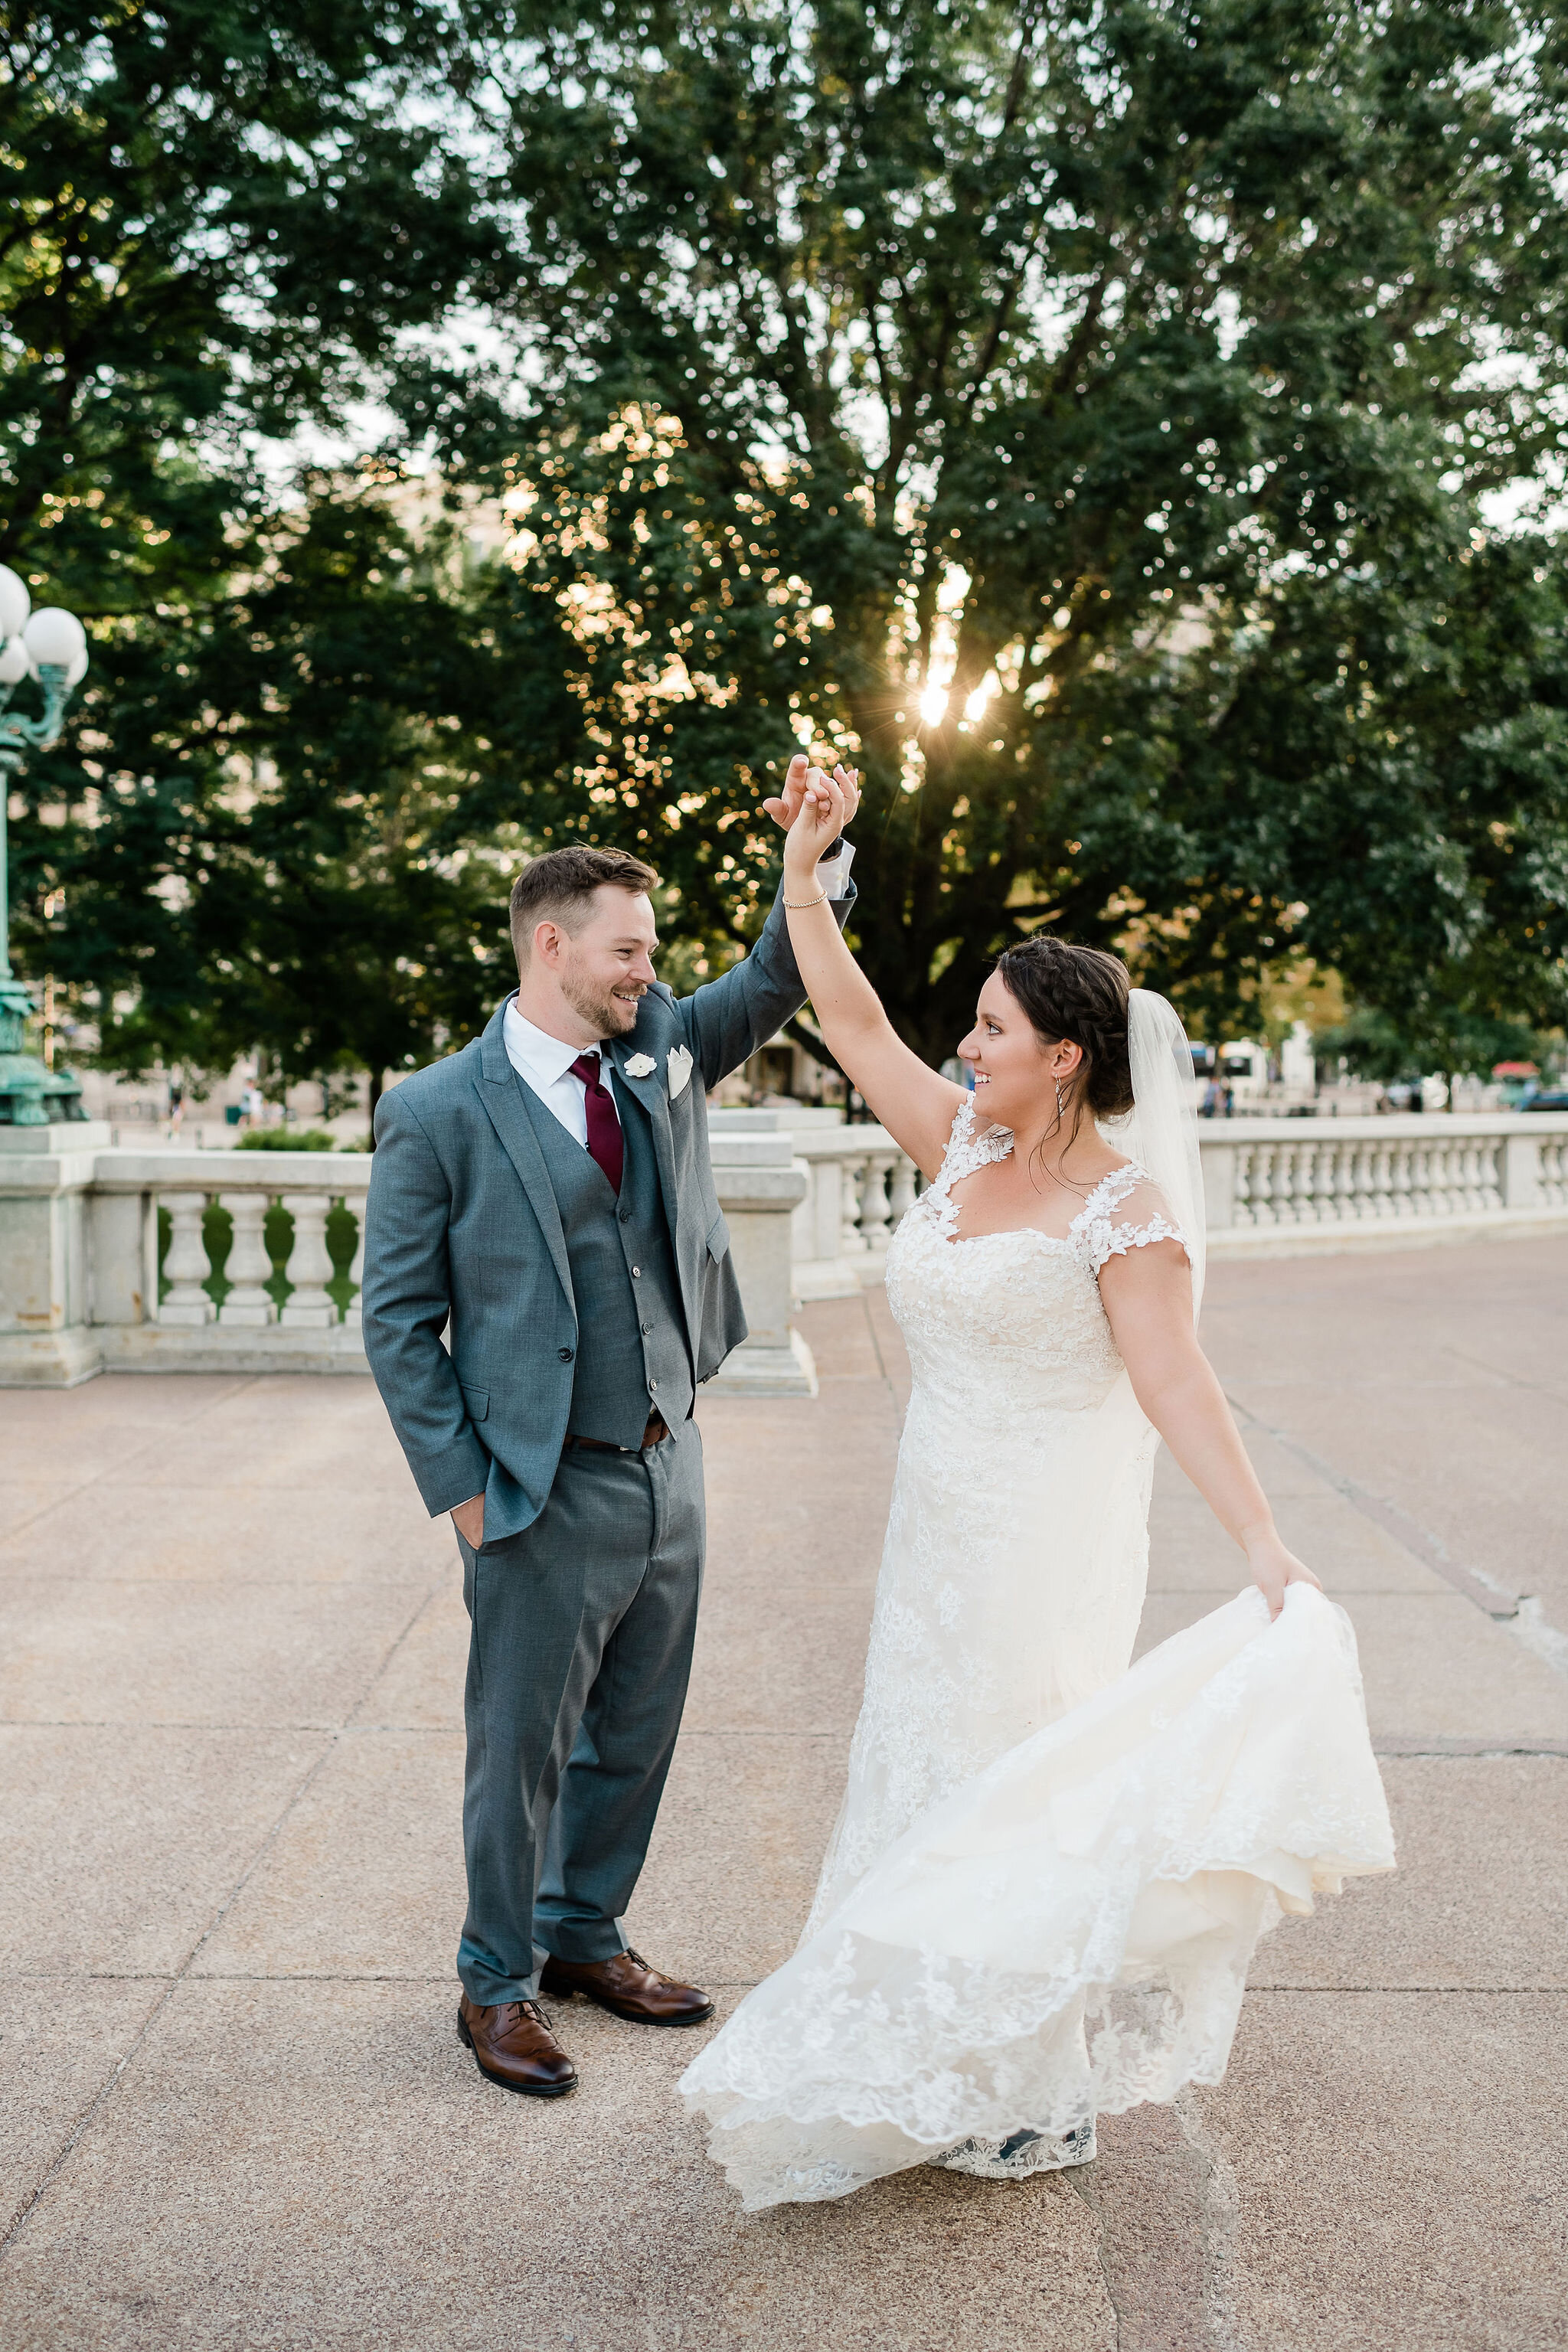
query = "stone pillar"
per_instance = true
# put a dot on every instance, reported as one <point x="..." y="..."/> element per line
<point x="758" y="1190"/>
<point x="47" y="1339"/>
<point x="1521" y="1171"/>
<point x="1216" y="1158"/>
<point x="249" y="1304"/>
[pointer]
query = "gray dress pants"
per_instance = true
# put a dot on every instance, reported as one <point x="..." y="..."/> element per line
<point x="579" y="1654"/>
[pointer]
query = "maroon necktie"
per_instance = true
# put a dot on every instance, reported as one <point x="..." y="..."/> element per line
<point x="605" y="1141"/>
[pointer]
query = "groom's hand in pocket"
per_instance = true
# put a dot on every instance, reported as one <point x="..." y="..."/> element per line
<point x="468" y="1518"/>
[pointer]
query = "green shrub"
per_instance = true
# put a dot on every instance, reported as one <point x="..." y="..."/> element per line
<point x="286" y="1138"/>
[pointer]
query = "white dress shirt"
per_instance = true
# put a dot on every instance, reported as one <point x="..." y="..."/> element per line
<point x="544" y="1063"/>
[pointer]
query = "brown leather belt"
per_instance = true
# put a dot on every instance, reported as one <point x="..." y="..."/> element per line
<point x="657" y="1431"/>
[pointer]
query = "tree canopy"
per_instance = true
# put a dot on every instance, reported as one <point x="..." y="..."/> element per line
<point x="1112" y="427"/>
<point x="1084" y="418"/>
<point x="225" y="225"/>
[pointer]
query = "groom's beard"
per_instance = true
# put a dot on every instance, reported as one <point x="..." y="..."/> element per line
<point x="610" y="1015"/>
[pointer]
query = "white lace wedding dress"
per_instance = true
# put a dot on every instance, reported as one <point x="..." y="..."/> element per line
<point x="1049" y="1871"/>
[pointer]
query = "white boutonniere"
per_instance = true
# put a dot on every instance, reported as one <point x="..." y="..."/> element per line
<point x="640" y="1065"/>
<point x="678" y="1070"/>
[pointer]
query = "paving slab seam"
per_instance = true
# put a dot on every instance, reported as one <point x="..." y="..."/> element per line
<point x="236" y="1730"/>
<point x="1519" y="1614"/>
<point x="1443" y="1751"/>
<point x="40" y="2189"/>
<point x="1510" y="1992"/>
<point x="1505" y="1378"/>
<point x="1086" y="2189"/>
<point x="117" y="1469"/>
<point x="1220" y="2226"/>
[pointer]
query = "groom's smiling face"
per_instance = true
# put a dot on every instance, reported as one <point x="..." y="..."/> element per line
<point x="607" y="965"/>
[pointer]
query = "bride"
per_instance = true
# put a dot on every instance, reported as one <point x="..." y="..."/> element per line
<point x="1050" y="1869"/>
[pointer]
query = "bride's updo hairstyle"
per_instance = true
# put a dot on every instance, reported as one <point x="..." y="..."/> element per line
<point x="1080" y="994"/>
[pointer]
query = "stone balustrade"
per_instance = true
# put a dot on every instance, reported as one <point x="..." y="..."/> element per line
<point x="1273" y="1187"/>
<point x="114" y="1259"/>
<point x="1288" y="1187"/>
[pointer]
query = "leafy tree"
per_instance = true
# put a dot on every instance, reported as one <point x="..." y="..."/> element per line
<point x="1082" y="417"/>
<point x="222" y="221"/>
<point x="271" y="850"/>
<point x="225" y="225"/>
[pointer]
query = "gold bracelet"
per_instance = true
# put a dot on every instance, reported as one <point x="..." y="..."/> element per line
<point x="797" y="906"/>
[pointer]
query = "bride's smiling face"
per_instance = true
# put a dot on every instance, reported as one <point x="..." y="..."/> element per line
<point x="1017" y="1070"/>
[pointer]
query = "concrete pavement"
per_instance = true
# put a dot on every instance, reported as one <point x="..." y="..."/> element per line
<point x="233" y="2108"/>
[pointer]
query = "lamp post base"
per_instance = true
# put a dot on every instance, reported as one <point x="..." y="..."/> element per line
<point x="30" y="1096"/>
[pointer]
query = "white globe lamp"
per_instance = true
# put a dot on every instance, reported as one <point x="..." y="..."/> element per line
<point x="50" y="645"/>
<point x="15" y="603"/>
<point x="56" y="639"/>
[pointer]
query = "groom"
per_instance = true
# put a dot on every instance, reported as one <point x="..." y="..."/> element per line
<point x="547" y="1278"/>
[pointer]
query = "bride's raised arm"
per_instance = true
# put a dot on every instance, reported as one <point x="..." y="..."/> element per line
<point x="914" y="1103"/>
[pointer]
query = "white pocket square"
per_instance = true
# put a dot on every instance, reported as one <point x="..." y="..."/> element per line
<point x="678" y="1070"/>
<point x="640" y="1065"/>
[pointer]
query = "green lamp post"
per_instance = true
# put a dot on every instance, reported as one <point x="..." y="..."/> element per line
<point x="51" y="646"/>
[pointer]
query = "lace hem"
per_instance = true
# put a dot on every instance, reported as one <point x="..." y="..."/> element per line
<point x="1069" y="1935"/>
<point x="1022" y="2156"/>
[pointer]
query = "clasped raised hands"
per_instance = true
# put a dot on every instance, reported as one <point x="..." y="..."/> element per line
<point x="801" y="778"/>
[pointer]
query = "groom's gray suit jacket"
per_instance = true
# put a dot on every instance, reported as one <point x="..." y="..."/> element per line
<point x="464" y="1236"/>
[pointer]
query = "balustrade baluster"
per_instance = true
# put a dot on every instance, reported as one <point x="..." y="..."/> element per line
<point x="1349" y="1203"/>
<point x="901" y="1189"/>
<point x="1262" y="1185"/>
<point x="1242" y="1211"/>
<point x="352" y="1317"/>
<point x="249" y="1304"/>
<point x="1440" y="1175"/>
<point x="1281" y="1183"/>
<point x="1399" y="1180"/>
<point x="1464" y="1177"/>
<point x="309" y="1266"/>
<point x="186" y="1264"/>
<point x="851" y="1169"/>
<point x="1418" y="1175"/>
<point x="874" y="1202"/>
<point x="1381" y="1157"/>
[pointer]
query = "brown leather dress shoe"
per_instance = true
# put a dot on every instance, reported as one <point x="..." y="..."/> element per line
<point x="514" y="2047"/>
<point x="628" y="1988"/>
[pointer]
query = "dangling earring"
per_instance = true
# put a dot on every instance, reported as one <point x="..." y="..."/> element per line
<point x="1058" y="1085"/>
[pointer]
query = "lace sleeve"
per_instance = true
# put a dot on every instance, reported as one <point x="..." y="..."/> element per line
<point x="1127" y="1213"/>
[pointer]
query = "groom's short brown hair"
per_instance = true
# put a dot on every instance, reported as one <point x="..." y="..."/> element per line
<point x="559" y="888"/>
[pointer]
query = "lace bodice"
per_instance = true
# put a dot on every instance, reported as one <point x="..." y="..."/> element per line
<point x="1006" y="1325"/>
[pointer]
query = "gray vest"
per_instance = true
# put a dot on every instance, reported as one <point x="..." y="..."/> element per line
<point x="633" y="1358"/>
